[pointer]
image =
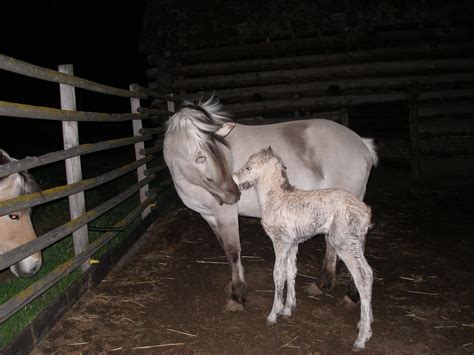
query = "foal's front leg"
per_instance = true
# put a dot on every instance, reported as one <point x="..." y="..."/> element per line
<point x="291" y="271"/>
<point x="279" y="278"/>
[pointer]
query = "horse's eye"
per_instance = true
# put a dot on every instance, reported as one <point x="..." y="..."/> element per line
<point x="14" y="217"/>
<point x="248" y="168"/>
<point x="209" y="179"/>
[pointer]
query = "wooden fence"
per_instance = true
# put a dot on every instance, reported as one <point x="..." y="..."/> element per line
<point x="76" y="185"/>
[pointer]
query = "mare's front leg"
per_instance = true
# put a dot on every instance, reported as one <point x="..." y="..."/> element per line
<point x="225" y="224"/>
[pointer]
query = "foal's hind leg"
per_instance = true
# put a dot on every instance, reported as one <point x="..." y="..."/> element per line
<point x="353" y="257"/>
<point x="327" y="279"/>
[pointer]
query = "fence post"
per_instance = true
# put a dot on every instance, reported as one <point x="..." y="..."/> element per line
<point x="137" y="125"/>
<point x="77" y="203"/>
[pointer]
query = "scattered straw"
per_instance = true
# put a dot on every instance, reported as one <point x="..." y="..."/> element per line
<point x="468" y="325"/>
<point x="413" y="315"/>
<point x="263" y="291"/>
<point x="288" y="344"/>
<point x="308" y="277"/>
<point x="81" y="343"/>
<point x="211" y="262"/>
<point x="445" y="326"/>
<point x="116" y="349"/>
<point x="180" y="332"/>
<point x="157" y="346"/>
<point x="422" y="293"/>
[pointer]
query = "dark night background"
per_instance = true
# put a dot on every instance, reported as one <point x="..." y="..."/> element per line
<point x="99" y="38"/>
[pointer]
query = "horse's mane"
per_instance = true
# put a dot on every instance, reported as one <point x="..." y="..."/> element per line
<point x="25" y="184"/>
<point x="200" y="121"/>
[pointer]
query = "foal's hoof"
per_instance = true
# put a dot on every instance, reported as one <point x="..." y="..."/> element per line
<point x="313" y="290"/>
<point x="233" y="306"/>
<point x="349" y="303"/>
<point x="271" y="320"/>
<point x="356" y="349"/>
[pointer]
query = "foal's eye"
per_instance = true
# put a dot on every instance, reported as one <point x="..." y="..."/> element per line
<point x="248" y="168"/>
<point x="14" y="217"/>
<point x="209" y="179"/>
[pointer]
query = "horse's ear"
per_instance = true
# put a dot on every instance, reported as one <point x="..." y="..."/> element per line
<point x="270" y="149"/>
<point x="225" y="129"/>
<point x="4" y="157"/>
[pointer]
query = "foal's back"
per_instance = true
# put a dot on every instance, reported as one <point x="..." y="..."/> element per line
<point x="307" y="213"/>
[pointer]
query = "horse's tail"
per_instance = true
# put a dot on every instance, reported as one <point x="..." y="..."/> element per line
<point x="369" y="143"/>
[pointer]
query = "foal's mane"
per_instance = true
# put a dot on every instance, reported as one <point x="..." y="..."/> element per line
<point x="200" y="121"/>
<point x="25" y="183"/>
<point x="285" y="183"/>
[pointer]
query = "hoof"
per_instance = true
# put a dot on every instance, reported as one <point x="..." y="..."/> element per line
<point x="326" y="283"/>
<point x="271" y="320"/>
<point x="238" y="295"/>
<point x="357" y="349"/>
<point x="313" y="290"/>
<point x="349" y="303"/>
<point x="233" y="306"/>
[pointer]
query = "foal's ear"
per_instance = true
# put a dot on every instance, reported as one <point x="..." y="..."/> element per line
<point x="270" y="149"/>
<point x="225" y="129"/>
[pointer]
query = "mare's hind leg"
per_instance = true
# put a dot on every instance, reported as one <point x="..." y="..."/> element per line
<point x="226" y="229"/>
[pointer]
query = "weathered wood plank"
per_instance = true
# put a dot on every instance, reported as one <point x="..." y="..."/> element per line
<point x="153" y="111"/>
<point x="337" y="102"/>
<point x="139" y="148"/>
<point x="336" y="42"/>
<point x="320" y="88"/>
<point x="77" y="202"/>
<point x="83" y="149"/>
<point x="411" y="51"/>
<point x="48" y="113"/>
<point x="20" y="67"/>
<point x="443" y="110"/>
<point x="289" y="76"/>
<point x="55" y="193"/>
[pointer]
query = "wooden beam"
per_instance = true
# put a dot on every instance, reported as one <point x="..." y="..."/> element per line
<point x="290" y="76"/>
<point x="77" y="202"/>
<point x="412" y="51"/>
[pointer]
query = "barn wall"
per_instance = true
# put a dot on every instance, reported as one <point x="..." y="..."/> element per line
<point x="171" y="24"/>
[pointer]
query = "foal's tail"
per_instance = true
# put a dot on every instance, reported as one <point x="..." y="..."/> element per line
<point x="369" y="143"/>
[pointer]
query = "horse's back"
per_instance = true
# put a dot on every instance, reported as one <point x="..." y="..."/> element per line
<point x="318" y="154"/>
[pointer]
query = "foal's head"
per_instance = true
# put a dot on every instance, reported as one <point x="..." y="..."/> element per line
<point x="259" y="164"/>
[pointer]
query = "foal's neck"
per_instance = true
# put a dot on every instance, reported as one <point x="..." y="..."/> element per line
<point x="273" y="180"/>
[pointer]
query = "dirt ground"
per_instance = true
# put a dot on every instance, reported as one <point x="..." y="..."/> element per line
<point x="169" y="298"/>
